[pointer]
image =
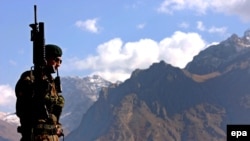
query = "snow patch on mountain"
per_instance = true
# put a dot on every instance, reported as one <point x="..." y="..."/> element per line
<point x="10" y="118"/>
<point x="80" y="94"/>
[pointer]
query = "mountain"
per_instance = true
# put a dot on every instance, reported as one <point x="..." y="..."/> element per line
<point x="168" y="103"/>
<point x="79" y="94"/>
<point x="8" y="128"/>
<point x="217" y="58"/>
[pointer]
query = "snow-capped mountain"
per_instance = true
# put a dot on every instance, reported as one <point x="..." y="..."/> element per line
<point x="9" y="117"/>
<point x="8" y="127"/>
<point x="80" y="94"/>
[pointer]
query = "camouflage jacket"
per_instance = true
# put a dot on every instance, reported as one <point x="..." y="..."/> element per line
<point x="33" y="108"/>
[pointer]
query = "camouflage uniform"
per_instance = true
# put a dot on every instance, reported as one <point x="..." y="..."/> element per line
<point x="39" y="114"/>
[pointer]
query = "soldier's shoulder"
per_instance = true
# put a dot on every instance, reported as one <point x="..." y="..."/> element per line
<point x="24" y="80"/>
<point x="27" y="75"/>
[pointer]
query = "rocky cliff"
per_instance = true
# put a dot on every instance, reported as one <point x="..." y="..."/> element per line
<point x="168" y="103"/>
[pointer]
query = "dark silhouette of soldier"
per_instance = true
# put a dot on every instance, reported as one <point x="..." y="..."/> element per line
<point x="39" y="113"/>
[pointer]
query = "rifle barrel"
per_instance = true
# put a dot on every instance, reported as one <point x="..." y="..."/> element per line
<point x="35" y="14"/>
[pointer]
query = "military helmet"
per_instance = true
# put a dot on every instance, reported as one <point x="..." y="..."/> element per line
<point x="52" y="50"/>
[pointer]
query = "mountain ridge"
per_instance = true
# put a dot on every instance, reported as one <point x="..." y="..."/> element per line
<point x="82" y="92"/>
<point x="168" y="103"/>
<point x="216" y="58"/>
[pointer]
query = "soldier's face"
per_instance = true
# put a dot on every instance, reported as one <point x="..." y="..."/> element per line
<point x="54" y="61"/>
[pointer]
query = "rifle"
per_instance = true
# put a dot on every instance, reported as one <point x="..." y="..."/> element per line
<point x="37" y="37"/>
<point x="40" y="63"/>
<point x="39" y="60"/>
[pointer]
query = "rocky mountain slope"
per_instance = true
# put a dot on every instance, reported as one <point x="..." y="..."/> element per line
<point x="79" y="94"/>
<point x="168" y="103"/>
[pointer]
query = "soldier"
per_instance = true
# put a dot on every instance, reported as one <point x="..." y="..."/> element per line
<point x="39" y="113"/>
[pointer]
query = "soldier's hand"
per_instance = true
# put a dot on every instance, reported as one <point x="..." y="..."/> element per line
<point x="59" y="131"/>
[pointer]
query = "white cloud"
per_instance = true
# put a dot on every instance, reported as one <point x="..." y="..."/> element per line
<point x="221" y="30"/>
<point x="213" y="43"/>
<point x="141" y="26"/>
<point x="7" y="98"/>
<point x="200" y="26"/>
<point x="180" y="48"/>
<point x="184" y="25"/>
<point x="169" y="6"/>
<point x="115" y="60"/>
<point x="88" y="25"/>
<point x="231" y="7"/>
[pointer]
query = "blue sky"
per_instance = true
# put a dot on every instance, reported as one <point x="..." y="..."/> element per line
<point x="112" y="38"/>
